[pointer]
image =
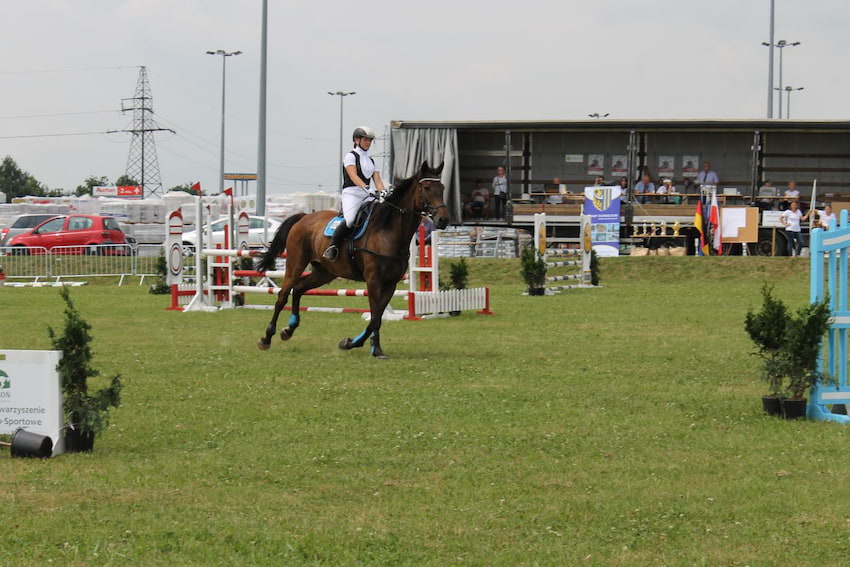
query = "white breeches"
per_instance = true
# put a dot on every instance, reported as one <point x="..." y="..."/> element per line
<point x="352" y="197"/>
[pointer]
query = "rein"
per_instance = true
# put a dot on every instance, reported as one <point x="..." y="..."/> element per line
<point x="427" y="209"/>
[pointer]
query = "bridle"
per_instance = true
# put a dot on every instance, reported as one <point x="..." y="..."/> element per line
<point x="427" y="209"/>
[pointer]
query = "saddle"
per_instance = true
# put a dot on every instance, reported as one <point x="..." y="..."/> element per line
<point x="361" y="222"/>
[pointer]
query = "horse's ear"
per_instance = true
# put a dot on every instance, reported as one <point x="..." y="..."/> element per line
<point x="425" y="167"/>
<point x="439" y="170"/>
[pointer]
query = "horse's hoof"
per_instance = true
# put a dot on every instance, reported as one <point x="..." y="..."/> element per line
<point x="345" y="344"/>
<point x="263" y="345"/>
<point x="285" y="334"/>
<point x="380" y="356"/>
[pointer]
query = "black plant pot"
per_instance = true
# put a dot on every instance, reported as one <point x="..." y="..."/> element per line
<point x="771" y="405"/>
<point x="29" y="444"/>
<point x="794" y="409"/>
<point x="537" y="291"/>
<point x="77" y="441"/>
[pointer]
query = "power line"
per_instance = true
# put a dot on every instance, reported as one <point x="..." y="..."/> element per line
<point x="37" y="71"/>
<point x="51" y="135"/>
<point x="57" y="114"/>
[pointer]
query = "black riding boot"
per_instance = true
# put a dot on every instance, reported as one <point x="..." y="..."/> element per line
<point x="339" y="235"/>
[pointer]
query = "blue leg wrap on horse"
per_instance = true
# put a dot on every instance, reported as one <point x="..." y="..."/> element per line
<point x="362" y="336"/>
<point x="293" y="320"/>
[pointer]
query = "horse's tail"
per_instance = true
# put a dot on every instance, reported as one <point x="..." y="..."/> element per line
<point x="278" y="245"/>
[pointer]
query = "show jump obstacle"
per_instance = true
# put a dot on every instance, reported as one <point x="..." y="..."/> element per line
<point x="580" y="261"/>
<point x="223" y="286"/>
<point x="830" y="251"/>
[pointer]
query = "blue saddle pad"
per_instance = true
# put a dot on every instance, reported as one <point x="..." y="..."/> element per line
<point x="334" y="222"/>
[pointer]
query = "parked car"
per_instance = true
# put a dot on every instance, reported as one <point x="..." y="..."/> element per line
<point x="257" y="236"/>
<point x="73" y="234"/>
<point x="21" y="224"/>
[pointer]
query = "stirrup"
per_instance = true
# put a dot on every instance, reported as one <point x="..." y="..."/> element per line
<point x="331" y="252"/>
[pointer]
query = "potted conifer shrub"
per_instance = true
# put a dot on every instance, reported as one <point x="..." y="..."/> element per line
<point x="789" y="346"/>
<point x="86" y="413"/>
<point x="800" y="355"/>
<point x="533" y="271"/>
<point x="766" y="329"/>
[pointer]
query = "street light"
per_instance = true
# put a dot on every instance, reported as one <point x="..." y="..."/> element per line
<point x="224" y="55"/>
<point x="597" y="115"/>
<point x="788" y="91"/>
<point x="341" y="96"/>
<point x="781" y="45"/>
<point x="770" y="64"/>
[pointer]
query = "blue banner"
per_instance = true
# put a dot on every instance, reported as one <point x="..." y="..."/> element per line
<point x="602" y="207"/>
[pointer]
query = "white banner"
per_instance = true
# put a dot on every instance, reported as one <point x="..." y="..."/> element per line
<point x="31" y="394"/>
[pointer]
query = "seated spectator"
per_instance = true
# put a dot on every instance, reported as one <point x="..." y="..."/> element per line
<point x="644" y="187"/>
<point x="688" y="186"/>
<point x="623" y="183"/>
<point x="479" y="201"/>
<point x="600" y="182"/>
<point x="791" y="195"/>
<point x="666" y="188"/>
<point x="768" y="190"/>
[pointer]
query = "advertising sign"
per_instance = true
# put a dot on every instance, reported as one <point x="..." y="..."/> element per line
<point x="666" y="166"/>
<point x="602" y="207"/>
<point x="30" y="394"/>
<point x="122" y="191"/>
<point x="596" y="164"/>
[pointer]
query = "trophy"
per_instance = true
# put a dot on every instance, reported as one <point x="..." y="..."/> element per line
<point x="634" y="230"/>
<point x="663" y="227"/>
<point x="676" y="228"/>
<point x="652" y="228"/>
<point x="644" y="233"/>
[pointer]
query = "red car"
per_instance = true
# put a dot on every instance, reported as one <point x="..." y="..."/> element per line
<point x="72" y="234"/>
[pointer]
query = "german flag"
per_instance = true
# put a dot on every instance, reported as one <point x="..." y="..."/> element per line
<point x="703" y="246"/>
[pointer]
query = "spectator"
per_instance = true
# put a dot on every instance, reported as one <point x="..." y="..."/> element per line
<point x="666" y="188"/>
<point x="479" y="201"/>
<point x="429" y="228"/>
<point x="827" y="219"/>
<point x="623" y="183"/>
<point x="599" y="182"/>
<point x="687" y="185"/>
<point x="791" y="194"/>
<point x="768" y="190"/>
<point x="500" y="192"/>
<point x="644" y="187"/>
<point x="707" y="176"/>
<point x="791" y="219"/>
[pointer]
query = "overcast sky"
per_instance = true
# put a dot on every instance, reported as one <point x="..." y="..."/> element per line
<point x="430" y="60"/>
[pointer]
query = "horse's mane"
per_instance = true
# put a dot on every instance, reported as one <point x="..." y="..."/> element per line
<point x="385" y="212"/>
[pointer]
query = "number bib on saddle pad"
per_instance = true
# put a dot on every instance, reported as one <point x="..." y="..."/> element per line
<point x="360" y="225"/>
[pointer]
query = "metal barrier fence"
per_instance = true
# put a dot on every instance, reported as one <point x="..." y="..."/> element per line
<point x="117" y="260"/>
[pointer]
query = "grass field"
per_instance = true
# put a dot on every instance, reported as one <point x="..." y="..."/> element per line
<point x="616" y="426"/>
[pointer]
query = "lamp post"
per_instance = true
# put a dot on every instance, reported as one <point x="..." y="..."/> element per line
<point x="224" y="55"/>
<point x="598" y="116"/>
<point x="781" y="45"/>
<point x="341" y="95"/>
<point x="770" y="65"/>
<point x="788" y="91"/>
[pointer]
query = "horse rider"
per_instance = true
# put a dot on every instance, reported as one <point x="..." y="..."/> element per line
<point x="361" y="181"/>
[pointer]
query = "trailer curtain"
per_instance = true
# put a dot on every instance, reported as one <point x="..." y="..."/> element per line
<point x="412" y="146"/>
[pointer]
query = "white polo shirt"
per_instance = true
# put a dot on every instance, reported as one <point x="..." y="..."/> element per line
<point x="367" y="164"/>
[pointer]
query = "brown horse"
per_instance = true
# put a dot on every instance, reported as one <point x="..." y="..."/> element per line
<point x="379" y="257"/>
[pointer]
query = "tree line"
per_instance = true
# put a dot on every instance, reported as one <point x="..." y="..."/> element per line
<point x="15" y="182"/>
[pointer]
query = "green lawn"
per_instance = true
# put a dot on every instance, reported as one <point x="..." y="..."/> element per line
<point x="615" y="426"/>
